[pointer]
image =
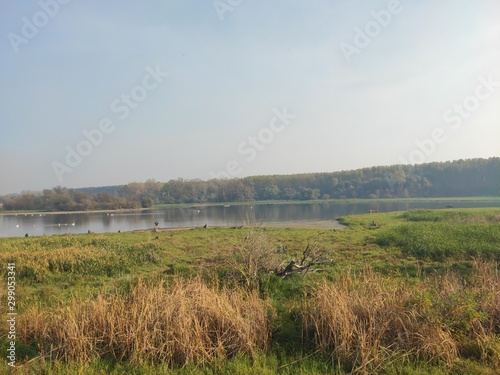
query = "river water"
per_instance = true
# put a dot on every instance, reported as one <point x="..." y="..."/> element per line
<point x="38" y="224"/>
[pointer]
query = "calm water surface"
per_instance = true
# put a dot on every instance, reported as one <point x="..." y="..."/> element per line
<point x="39" y="224"/>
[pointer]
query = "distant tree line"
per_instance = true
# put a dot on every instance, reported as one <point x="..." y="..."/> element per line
<point x="472" y="177"/>
<point x="63" y="199"/>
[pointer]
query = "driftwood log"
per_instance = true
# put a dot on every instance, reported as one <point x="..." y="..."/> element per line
<point x="310" y="258"/>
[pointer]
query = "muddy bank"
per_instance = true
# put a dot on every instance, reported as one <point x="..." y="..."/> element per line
<point x="323" y="224"/>
<point x="306" y="224"/>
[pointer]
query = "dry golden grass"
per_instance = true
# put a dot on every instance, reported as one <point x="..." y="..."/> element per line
<point x="362" y="322"/>
<point x="366" y="321"/>
<point x="177" y="324"/>
<point x="488" y="284"/>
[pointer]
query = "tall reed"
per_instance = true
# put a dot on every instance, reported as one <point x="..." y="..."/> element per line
<point x="179" y="323"/>
<point x="362" y="322"/>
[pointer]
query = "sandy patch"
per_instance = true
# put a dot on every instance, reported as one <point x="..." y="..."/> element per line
<point x="320" y="224"/>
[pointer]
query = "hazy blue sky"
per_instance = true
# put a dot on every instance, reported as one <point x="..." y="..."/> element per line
<point x="320" y="85"/>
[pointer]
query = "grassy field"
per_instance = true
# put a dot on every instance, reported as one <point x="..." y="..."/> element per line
<point x="413" y="292"/>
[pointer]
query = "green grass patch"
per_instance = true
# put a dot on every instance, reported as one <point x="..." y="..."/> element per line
<point x="440" y="235"/>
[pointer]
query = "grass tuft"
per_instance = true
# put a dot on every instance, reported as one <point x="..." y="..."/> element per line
<point x="174" y="324"/>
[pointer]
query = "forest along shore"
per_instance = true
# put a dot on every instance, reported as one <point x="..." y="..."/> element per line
<point x="478" y="177"/>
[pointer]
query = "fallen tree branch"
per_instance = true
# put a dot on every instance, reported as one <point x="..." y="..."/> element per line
<point x="310" y="257"/>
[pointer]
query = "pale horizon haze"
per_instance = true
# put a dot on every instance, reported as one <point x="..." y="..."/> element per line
<point x="98" y="93"/>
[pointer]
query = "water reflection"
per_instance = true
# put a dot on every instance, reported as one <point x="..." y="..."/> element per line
<point x="39" y="224"/>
